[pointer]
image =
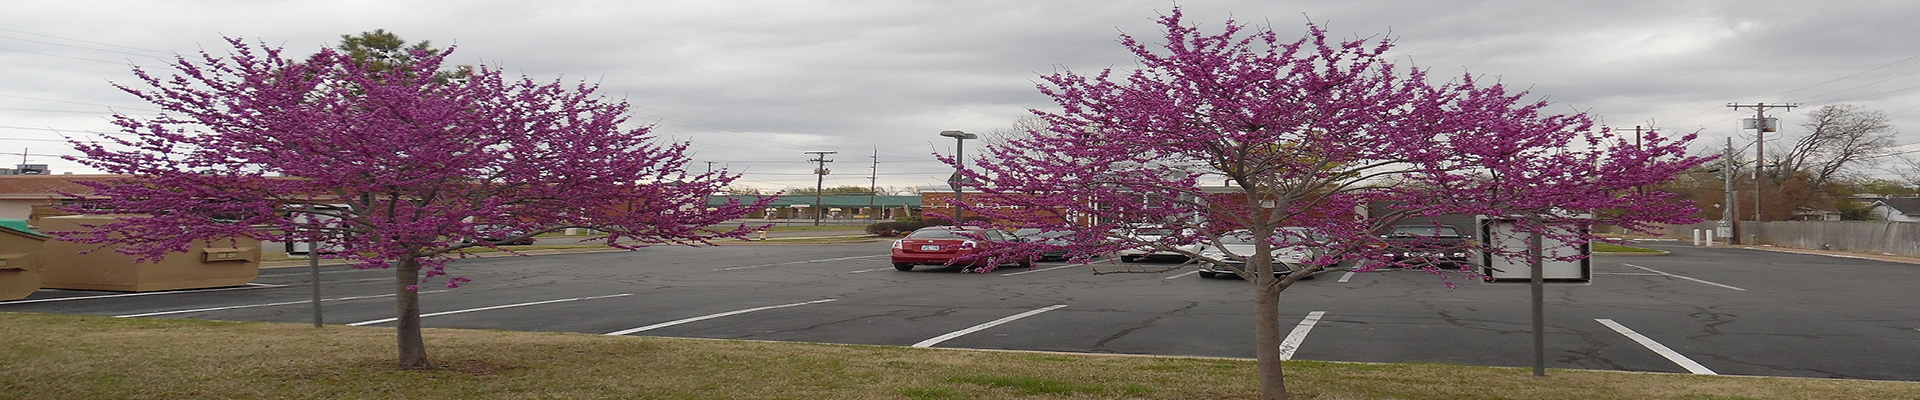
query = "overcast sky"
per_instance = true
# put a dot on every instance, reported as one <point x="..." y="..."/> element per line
<point x="753" y="84"/>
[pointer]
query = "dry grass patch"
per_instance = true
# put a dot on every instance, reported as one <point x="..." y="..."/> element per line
<point x="74" y="357"/>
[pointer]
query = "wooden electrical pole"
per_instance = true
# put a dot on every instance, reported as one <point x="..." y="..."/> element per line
<point x="1760" y="128"/>
<point x="819" y="183"/>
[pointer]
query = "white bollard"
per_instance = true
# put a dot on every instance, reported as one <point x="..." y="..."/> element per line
<point x="1709" y="238"/>
<point x="1696" y="237"/>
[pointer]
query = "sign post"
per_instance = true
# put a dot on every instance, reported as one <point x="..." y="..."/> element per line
<point x="1545" y="260"/>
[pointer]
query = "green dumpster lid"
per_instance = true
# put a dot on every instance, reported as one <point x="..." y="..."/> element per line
<point x="19" y="225"/>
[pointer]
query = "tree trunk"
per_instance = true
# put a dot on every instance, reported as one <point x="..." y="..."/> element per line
<point x="1266" y="332"/>
<point x="413" y="350"/>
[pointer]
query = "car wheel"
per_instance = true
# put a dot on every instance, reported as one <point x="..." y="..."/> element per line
<point x="903" y="266"/>
<point x="1209" y="274"/>
<point x="1128" y="259"/>
<point x="1026" y="264"/>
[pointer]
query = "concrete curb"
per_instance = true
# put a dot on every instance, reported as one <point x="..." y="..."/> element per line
<point x="1840" y="254"/>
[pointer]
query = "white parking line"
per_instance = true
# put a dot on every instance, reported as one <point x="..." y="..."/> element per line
<point x="363" y="323"/>
<point x="1182" y="274"/>
<point x="248" y="287"/>
<point x="262" y="305"/>
<point x="1682" y="277"/>
<point x="798" y="262"/>
<point x="870" y="270"/>
<point x="305" y="272"/>
<point x="1299" y="334"/>
<point x="1040" y="270"/>
<point x="980" y="327"/>
<point x="1346" y="277"/>
<point x="1683" y="361"/>
<point x="710" y="316"/>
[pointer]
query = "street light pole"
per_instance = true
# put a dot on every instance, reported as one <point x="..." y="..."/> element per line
<point x="819" y="183"/>
<point x="959" y="169"/>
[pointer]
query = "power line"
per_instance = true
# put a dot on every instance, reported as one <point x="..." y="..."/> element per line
<point x="85" y="41"/>
<point x="62" y="131"/>
<point x="1862" y="86"/>
<point x="719" y="127"/>
<point x="120" y="63"/>
<point x="1844" y="77"/>
<point x="77" y="103"/>
<point x="86" y="48"/>
<point x="1877" y="94"/>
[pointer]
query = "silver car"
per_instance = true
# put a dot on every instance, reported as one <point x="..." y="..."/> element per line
<point x="1143" y="235"/>
<point x="1293" y="247"/>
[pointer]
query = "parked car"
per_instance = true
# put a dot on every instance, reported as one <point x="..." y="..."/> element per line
<point x="502" y="235"/>
<point x="1292" y="248"/>
<point x="939" y="245"/>
<point x="1414" y="245"/>
<point x="1055" y="242"/>
<point x="1153" y="233"/>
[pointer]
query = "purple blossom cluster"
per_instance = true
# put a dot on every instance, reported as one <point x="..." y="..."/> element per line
<point x="399" y="165"/>
<point x="1213" y="132"/>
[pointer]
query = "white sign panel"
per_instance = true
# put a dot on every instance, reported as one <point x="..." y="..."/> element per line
<point x="1500" y="235"/>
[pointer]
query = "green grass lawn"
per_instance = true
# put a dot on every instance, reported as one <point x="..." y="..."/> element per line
<point x="89" y="357"/>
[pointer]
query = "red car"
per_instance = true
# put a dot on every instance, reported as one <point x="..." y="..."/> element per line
<point x="937" y="245"/>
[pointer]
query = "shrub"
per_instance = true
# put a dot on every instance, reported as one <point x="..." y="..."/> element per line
<point x="883" y="228"/>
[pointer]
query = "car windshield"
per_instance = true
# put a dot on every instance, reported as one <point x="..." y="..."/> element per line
<point x="940" y="234"/>
<point x="1152" y="232"/>
<point x="1438" y="231"/>
<point x="1025" y="232"/>
<point x="1050" y="235"/>
<point x="1285" y="235"/>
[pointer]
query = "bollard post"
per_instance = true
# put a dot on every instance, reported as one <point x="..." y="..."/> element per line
<point x="1696" y="237"/>
<point x="763" y="234"/>
<point x="1709" y="238"/>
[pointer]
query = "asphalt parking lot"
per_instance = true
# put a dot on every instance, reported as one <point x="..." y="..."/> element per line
<point x="1714" y="310"/>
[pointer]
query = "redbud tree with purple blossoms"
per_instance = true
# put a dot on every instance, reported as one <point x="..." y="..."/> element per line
<point x="1219" y="131"/>
<point x="389" y="166"/>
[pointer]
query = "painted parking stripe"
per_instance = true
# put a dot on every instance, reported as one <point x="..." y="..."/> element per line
<point x="870" y="270"/>
<point x="711" y="316"/>
<point x="1682" y="277"/>
<point x="1299" y="334"/>
<point x="304" y="271"/>
<point x="1039" y="270"/>
<point x="248" y="287"/>
<point x="981" y="327"/>
<point x="262" y="305"/>
<point x="1346" y="277"/>
<point x="1671" y="355"/>
<point x="798" y="262"/>
<point x="1183" y="274"/>
<point x="364" y="323"/>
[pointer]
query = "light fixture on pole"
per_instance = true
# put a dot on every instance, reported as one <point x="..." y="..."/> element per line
<point x="959" y="169"/>
<point x="820" y="171"/>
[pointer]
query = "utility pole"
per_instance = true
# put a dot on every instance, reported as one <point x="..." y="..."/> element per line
<point x="1761" y="125"/>
<point x="819" y="184"/>
<point x="873" y="185"/>
<point x="1727" y="207"/>
<point x="710" y="166"/>
<point x="1636" y="137"/>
